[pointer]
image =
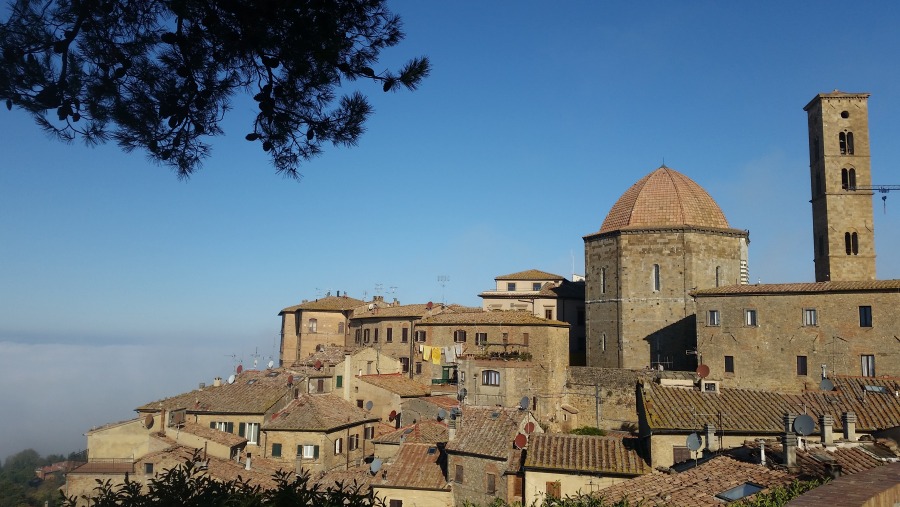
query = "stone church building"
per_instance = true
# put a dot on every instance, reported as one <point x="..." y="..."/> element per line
<point x="666" y="276"/>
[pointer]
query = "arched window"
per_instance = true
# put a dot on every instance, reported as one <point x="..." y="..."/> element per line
<point x="851" y="178"/>
<point x="842" y="142"/>
<point x="313" y="325"/>
<point x="656" y="280"/>
<point x="847" y="246"/>
<point x="854" y="243"/>
<point x="849" y="143"/>
<point x="718" y="275"/>
<point x="340" y="328"/>
<point x="845" y="180"/>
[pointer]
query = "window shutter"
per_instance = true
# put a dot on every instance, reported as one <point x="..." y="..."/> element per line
<point x="212" y="425"/>
<point x="229" y="427"/>
<point x="340" y="381"/>
<point x="242" y="429"/>
<point x="315" y="452"/>
<point x="299" y="451"/>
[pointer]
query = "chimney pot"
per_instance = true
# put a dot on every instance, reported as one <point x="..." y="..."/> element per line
<point x="849" y="420"/>
<point x="826" y="424"/>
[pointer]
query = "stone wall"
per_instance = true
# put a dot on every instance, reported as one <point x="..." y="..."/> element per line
<point x="473" y="486"/>
<point x="765" y="356"/>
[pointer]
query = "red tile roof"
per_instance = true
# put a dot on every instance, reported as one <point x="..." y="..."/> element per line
<point x="424" y="432"/>
<point x="802" y="288"/>
<point x="498" y="317"/>
<point x="531" y="274"/>
<point x="318" y="412"/>
<point x="329" y="303"/>
<point x="417" y="466"/>
<point x="664" y="197"/>
<point x="583" y="453"/>
<point x="853" y="490"/>
<point x="696" y="487"/>
<point x="253" y="392"/>
<point x="487" y="431"/>
<point x="398" y="383"/>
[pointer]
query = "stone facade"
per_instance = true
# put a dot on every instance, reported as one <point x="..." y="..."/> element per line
<point x="313" y="324"/>
<point x="839" y="161"/>
<point x="640" y="312"/>
<point x="849" y="327"/>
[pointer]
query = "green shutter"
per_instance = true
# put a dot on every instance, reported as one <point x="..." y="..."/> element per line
<point x="340" y="381"/>
<point x="242" y="429"/>
<point x="229" y="427"/>
<point x="276" y="450"/>
<point x="299" y="451"/>
<point x="315" y="452"/>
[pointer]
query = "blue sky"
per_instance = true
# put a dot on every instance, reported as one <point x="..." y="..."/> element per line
<point x="120" y="284"/>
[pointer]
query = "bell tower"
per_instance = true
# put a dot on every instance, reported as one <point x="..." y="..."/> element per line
<point x="843" y="230"/>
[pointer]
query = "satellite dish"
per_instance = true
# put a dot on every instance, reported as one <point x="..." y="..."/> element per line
<point x="520" y="441"/>
<point x="703" y="371"/>
<point x="231" y="378"/>
<point x="148" y="421"/>
<point x="429" y="305"/>
<point x="318" y="364"/>
<point x="826" y="385"/>
<point x="442" y="414"/>
<point x="523" y="403"/>
<point x="369" y="405"/>
<point x="529" y="428"/>
<point x="804" y="425"/>
<point x="392" y="415"/>
<point x="375" y="466"/>
<point x="240" y="368"/>
<point x="271" y="364"/>
<point x="693" y="442"/>
<point x="371" y="306"/>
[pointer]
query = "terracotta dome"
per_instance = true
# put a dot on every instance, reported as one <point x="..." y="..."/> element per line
<point x="664" y="198"/>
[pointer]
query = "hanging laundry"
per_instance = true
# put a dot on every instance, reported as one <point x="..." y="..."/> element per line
<point x="426" y="352"/>
<point x="436" y="355"/>
<point x="451" y="354"/>
<point x="459" y="349"/>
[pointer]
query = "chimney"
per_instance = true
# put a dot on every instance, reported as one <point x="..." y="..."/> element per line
<point x="849" y="420"/>
<point x="451" y="429"/>
<point x="710" y="434"/>
<point x="826" y="424"/>
<point x="789" y="442"/>
<point x="762" y="452"/>
<point x="217" y="382"/>
<point x="338" y="293"/>
<point x="247" y="465"/>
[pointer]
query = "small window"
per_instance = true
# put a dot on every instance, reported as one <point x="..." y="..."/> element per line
<point x="458" y="476"/>
<point x="851" y="243"/>
<point x="390" y="335"/>
<point x="313" y="325"/>
<point x="712" y="318"/>
<point x="395" y="503"/>
<point x="845" y="114"/>
<point x="369" y="433"/>
<point x="810" y="317"/>
<point x="357" y="336"/>
<point x="276" y="450"/>
<point x="404" y="364"/>
<point x="603" y="341"/>
<point x="459" y="336"/>
<point x="548" y="314"/>
<point x="420" y="336"/>
<point x="353" y="442"/>
<point x="340" y="328"/>
<point x="602" y="280"/>
<point x="376" y="335"/>
<point x="657" y="283"/>
<point x="511" y="286"/>
<point x="148" y="468"/>
<point x="365" y="336"/>
<point x="801" y="366"/>
<point x="418" y="367"/>
<point x="718" y="275"/>
<point x="338" y="446"/>
<point x="750" y="318"/>
<point x="865" y="316"/>
<point x="849" y="143"/>
<point x="404" y="335"/>
<point x="491" y="486"/>
<point x="536" y="286"/>
<point x="308" y="451"/>
<point x="680" y="454"/>
<point x="490" y="378"/>
<point x="867" y="361"/>
<point x="729" y="364"/>
<point x="525" y="338"/>
<point x="480" y="338"/>
<point x="339" y="381"/>
<point x="842" y="142"/>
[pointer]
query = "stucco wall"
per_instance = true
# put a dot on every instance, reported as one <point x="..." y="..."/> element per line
<point x="570" y="484"/>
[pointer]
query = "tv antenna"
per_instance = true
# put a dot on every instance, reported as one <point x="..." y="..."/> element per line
<point x="379" y="288"/>
<point x="443" y="279"/>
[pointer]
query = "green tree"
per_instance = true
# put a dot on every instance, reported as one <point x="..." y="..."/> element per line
<point x="158" y="75"/>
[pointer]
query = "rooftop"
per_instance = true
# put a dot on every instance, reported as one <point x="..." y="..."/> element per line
<point x="417" y="466"/>
<point x="664" y="197"/>
<point x="696" y="487"/>
<point x="531" y="274"/>
<point x="398" y="383"/>
<point x="318" y="412"/>
<point x="328" y="303"/>
<point x="253" y="392"/>
<point x="801" y="288"/>
<point x="423" y="432"/>
<point x="487" y="431"/>
<point x="583" y="453"/>
<point x="497" y="317"/>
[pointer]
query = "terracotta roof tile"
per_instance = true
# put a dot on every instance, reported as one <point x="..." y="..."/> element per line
<point x="802" y="288"/>
<point x="487" y="431"/>
<point x="696" y="487"/>
<point x="329" y="303"/>
<point x="583" y="453"/>
<point x="356" y="477"/>
<point x="424" y="432"/>
<point x="664" y="197"/>
<point x="214" y="435"/>
<point x="853" y="490"/>
<point x="253" y="392"/>
<point x="531" y="274"/>
<point x="418" y="466"/>
<point x="397" y="383"/>
<point x="317" y="412"/>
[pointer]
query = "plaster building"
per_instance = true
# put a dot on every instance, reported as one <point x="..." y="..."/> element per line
<point x="544" y="295"/>
<point x="663" y="238"/>
<point x="311" y="324"/>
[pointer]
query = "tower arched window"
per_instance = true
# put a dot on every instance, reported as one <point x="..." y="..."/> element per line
<point x="842" y="142"/>
<point x="656" y="281"/>
<point x="851" y="177"/>
<point x="845" y="180"/>
<point x="718" y="275"/>
<point x="849" y="143"/>
<point x="851" y="243"/>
